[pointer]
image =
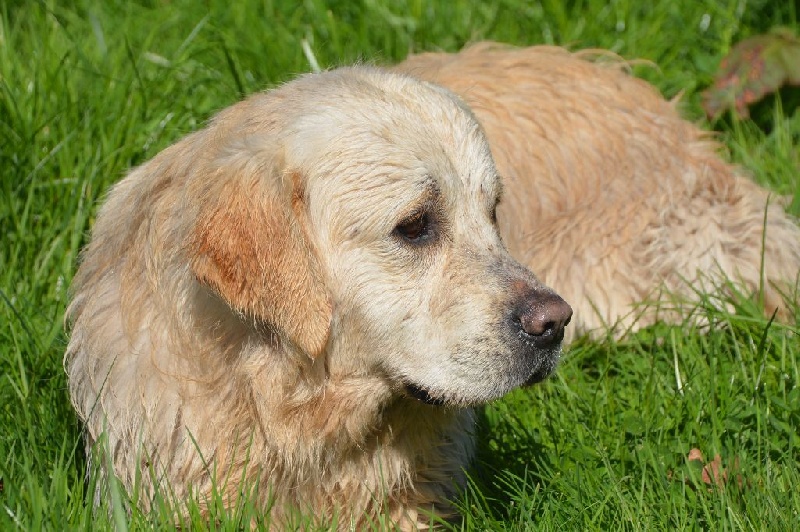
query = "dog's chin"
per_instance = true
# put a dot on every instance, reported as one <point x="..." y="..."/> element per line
<point x="542" y="372"/>
<point x="443" y="398"/>
<point x="419" y="392"/>
<point x="424" y="395"/>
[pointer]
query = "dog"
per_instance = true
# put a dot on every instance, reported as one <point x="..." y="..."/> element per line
<point x="613" y="199"/>
<point x="309" y="295"/>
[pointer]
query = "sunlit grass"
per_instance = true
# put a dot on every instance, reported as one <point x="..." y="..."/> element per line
<point x="89" y="89"/>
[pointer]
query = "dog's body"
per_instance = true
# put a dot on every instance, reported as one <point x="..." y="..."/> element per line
<point x="305" y="296"/>
<point x="308" y="295"/>
<point x="610" y="195"/>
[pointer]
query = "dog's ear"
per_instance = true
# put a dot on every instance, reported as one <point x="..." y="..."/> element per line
<point x="252" y="248"/>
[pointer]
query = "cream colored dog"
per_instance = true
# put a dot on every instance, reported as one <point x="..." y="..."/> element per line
<point x="307" y="295"/>
<point x="610" y="196"/>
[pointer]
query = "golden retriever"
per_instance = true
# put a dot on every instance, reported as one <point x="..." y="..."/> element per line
<point x="610" y="196"/>
<point x="305" y="296"/>
<point x="308" y="295"/>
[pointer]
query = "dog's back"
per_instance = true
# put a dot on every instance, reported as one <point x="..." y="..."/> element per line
<point x="610" y="196"/>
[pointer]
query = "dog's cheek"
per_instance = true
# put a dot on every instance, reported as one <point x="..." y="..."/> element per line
<point x="252" y="252"/>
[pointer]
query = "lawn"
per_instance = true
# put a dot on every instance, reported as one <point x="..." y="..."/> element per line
<point x="89" y="89"/>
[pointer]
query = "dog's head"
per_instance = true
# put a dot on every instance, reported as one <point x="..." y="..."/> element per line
<point x="353" y="213"/>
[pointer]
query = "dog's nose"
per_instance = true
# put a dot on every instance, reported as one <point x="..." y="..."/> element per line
<point x="542" y="318"/>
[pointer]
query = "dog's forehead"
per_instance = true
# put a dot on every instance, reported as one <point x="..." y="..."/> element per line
<point x="381" y="126"/>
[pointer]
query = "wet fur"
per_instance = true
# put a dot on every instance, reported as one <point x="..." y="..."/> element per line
<point x="611" y="197"/>
<point x="240" y="303"/>
<point x="246" y="313"/>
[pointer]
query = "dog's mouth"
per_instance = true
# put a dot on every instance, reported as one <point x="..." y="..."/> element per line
<point x="526" y="372"/>
<point x="539" y="375"/>
<point x="421" y="394"/>
<point x="424" y="395"/>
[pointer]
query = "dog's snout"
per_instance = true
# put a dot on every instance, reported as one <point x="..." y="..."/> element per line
<point x="542" y="317"/>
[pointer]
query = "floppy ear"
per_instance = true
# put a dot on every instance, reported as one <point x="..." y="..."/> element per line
<point x="251" y="247"/>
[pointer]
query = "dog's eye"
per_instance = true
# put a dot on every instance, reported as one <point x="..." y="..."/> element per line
<point x="416" y="229"/>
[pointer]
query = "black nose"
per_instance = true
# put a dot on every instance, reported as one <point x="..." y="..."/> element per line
<point x="541" y="317"/>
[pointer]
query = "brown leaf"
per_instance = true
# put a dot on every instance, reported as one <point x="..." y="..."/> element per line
<point x="695" y="454"/>
<point x="754" y="67"/>
<point x="713" y="473"/>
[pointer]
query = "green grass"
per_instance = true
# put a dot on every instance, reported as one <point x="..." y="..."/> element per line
<point x="88" y="89"/>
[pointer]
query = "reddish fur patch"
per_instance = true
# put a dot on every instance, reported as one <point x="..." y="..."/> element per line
<point x="251" y="249"/>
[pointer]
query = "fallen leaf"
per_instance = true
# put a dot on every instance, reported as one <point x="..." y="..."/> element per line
<point x="695" y="455"/>
<point x="754" y="67"/>
<point x="713" y="474"/>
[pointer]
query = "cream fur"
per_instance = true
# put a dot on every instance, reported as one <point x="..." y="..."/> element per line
<point x="611" y="197"/>
<point x="246" y="309"/>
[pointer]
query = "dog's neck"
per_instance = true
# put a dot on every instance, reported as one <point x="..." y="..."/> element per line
<point x="241" y="400"/>
<point x="309" y="427"/>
